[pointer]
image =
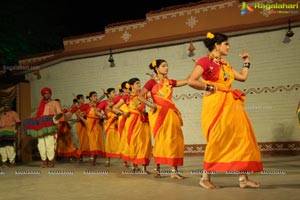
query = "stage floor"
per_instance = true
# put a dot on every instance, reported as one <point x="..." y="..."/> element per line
<point x="71" y="180"/>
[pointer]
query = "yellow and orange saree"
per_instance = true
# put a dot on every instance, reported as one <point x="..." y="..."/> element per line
<point x="166" y="125"/>
<point x="231" y="143"/>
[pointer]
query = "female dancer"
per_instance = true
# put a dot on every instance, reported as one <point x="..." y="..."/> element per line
<point x="165" y="119"/>
<point x="64" y="142"/>
<point x="124" y="90"/>
<point x="231" y="143"/>
<point x="138" y="130"/>
<point x="83" y="140"/>
<point x="94" y="127"/>
<point x="112" y="141"/>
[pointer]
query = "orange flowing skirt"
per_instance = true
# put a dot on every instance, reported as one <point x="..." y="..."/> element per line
<point x="83" y="140"/>
<point x="112" y="141"/>
<point x="65" y="146"/>
<point x="168" y="140"/>
<point x="139" y="139"/>
<point x="231" y="143"/>
<point x="123" y="131"/>
<point x="96" y="141"/>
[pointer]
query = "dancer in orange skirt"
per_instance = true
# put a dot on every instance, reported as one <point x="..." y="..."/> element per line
<point x="165" y="119"/>
<point x="124" y="90"/>
<point x="83" y="140"/>
<point x="64" y="142"/>
<point x="112" y="140"/>
<point x="138" y="132"/>
<point x="231" y="143"/>
<point x="94" y="127"/>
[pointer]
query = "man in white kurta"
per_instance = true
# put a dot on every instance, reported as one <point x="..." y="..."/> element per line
<point x="46" y="144"/>
<point x="9" y="121"/>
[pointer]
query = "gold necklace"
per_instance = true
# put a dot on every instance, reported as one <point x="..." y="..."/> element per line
<point x="219" y="62"/>
<point x="163" y="82"/>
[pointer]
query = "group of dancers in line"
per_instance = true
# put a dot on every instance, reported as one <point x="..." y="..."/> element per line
<point x="129" y="129"/>
<point x="125" y="122"/>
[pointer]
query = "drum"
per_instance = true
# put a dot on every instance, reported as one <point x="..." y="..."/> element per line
<point x="40" y="126"/>
<point x="8" y="134"/>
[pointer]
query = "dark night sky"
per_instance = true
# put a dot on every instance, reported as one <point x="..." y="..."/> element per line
<point x="30" y="27"/>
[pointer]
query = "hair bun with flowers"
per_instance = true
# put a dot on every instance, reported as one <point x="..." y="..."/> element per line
<point x="127" y="85"/>
<point x="210" y="35"/>
<point x="154" y="64"/>
<point x="119" y="87"/>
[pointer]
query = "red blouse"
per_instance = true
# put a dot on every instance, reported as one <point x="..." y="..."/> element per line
<point x="211" y="69"/>
<point x="149" y="84"/>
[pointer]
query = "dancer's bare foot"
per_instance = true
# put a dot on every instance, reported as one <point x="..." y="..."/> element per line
<point x="125" y="166"/>
<point x="246" y="183"/>
<point x="156" y="173"/>
<point x="176" y="176"/>
<point x="107" y="163"/>
<point x="205" y="183"/>
<point x="93" y="161"/>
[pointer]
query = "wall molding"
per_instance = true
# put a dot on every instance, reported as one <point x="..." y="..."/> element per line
<point x="249" y="91"/>
<point x="184" y="21"/>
